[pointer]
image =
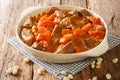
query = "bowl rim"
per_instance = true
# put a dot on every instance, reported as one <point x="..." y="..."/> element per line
<point x="61" y="6"/>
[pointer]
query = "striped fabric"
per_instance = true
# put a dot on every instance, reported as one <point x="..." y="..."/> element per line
<point x="54" y="68"/>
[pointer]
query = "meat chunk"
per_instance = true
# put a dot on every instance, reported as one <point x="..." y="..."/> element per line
<point x="74" y="19"/>
<point x="59" y="14"/>
<point x="90" y="43"/>
<point x="51" y="10"/>
<point x="71" y="27"/>
<point x="67" y="48"/>
<point x="27" y="36"/>
<point x="28" y="22"/>
<point x="57" y="31"/>
<point x="75" y="16"/>
<point x="84" y="13"/>
<point x="55" y="41"/>
<point x="73" y="12"/>
<point x="65" y="22"/>
<point x="82" y="22"/>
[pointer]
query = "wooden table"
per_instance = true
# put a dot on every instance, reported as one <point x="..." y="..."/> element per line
<point x="9" y="14"/>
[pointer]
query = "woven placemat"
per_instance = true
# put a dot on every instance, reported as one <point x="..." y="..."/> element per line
<point x="54" y="68"/>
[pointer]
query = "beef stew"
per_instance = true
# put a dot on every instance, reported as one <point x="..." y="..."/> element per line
<point x="62" y="31"/>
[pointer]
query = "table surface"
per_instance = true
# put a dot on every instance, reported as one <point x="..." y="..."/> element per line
<point x="9" y="14"/>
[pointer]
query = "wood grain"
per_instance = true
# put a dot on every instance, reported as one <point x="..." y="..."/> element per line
<point x="9" y="57"/>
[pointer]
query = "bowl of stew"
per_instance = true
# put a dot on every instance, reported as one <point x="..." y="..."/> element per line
<point x="62" y="33"/>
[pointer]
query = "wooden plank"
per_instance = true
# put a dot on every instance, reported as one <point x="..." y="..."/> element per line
<point x="9" y="56"/>
<point x="48" y="2"/>
<point x="81" y="3"/>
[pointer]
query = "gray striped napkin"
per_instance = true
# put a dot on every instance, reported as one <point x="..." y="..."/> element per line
<point x="54" y="68"/>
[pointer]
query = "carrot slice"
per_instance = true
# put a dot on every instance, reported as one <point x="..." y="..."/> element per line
<point x="78" y="32"/>
<point x="43" y="18"/>
<point x="86" y="27"/>
<point x="66" y="31"/>
<point x="97" y="34"/>
<point x="44" y="36"/>
<point x="94" y="20"/>
<point x="42" y="29"/>
<point x="66" y="38"/>
<point x="47" y="36"/>
<point x="51" y="17"/>
<point x="47" y="23"/>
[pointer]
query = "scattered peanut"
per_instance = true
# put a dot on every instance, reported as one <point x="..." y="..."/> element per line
<point x="108" y="76"/>
<point x="94" y="78"/>
<point x="70" y="76"/>
<point x="100" y="59"/>
<point x="98" y="63"/>
<point x="9" y="71"/>
<point x="66" y="78"/>
<point x="92" y="65"/>
<point x="63" y="72"/>
<point x="41" y="70"/>
<point x="89" y="79"/>
<point x="15" y="71"/>
<point x="26" y="60"/>
<point x="115" y="60"/>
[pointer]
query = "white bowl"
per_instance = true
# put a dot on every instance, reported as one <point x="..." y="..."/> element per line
<point x="61" y="58"/>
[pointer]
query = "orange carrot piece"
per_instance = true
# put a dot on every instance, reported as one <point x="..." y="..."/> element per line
<point x="66" y="31"/>
<point x="97" y="34"/>
<point x="42" y="29"/>
<point x="51" y="17"/>
<point x="94" y="20"/>
<point x="44" y="36"/>
<point x="86" y="27"/>
<point x="47" y="36"/>
<point x="66" y="38"/>
<point x="43" y="18"/>
<point x="78" y="32"/>
<point x="47" y="23"/>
